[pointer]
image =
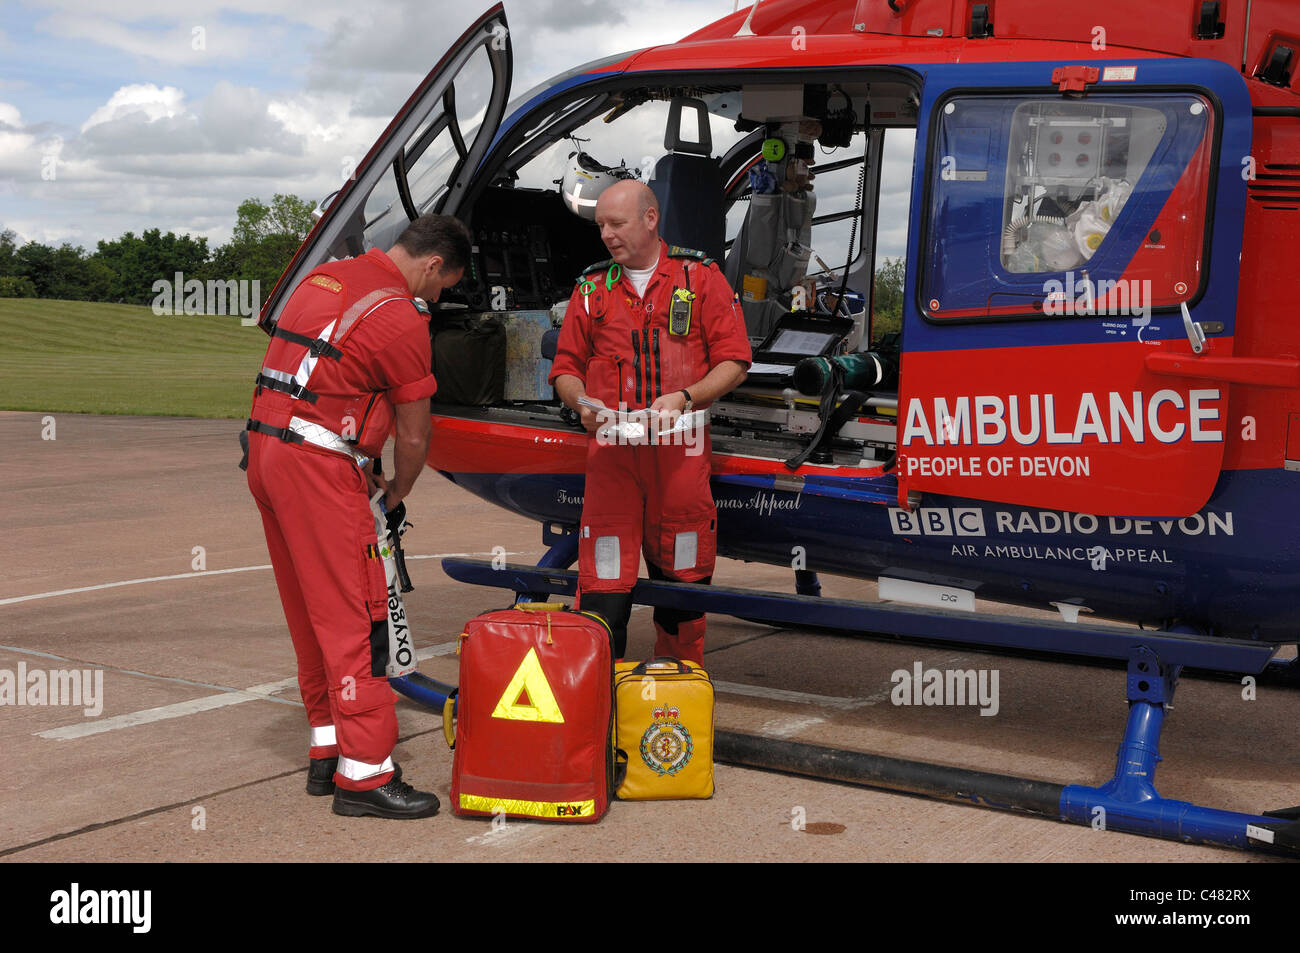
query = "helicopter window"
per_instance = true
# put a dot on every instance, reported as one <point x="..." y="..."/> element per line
<point x="1040" y="206"/>
<point x="892" y="218"/>
<point x="431" y="156"/>
<point x="627" y="136"/>
<point x="1071" y="170"/>
<point x="837" y="221"/>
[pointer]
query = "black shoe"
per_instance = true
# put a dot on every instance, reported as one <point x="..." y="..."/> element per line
<point x="396" y="799"/>
<point x="320" y="775"/>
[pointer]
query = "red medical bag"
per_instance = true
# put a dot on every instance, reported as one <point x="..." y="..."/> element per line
<point x="534" y="730"/>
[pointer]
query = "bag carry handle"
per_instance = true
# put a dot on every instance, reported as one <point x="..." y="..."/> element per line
<point x="448" y="710"/>
<point x="540" y="606"/>
<point x="682" y="667"/>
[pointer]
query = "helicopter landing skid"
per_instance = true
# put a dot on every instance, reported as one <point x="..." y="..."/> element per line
<point x="1129" y="801"/>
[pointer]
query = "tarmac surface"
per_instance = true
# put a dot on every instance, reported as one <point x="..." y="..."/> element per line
<point x="132" y="549"/>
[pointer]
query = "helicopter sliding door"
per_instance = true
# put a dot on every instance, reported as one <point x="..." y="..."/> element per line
<point x="422" y="162"/>
<point x="1061" y="239"/>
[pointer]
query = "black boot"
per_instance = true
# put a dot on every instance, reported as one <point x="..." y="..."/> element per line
<point x="320" y="775"/>
<point x="396" y="799"/>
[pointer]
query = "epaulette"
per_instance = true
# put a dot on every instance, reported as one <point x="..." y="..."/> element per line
<point x="677" y="251"/>
<point x="598" y="266"/>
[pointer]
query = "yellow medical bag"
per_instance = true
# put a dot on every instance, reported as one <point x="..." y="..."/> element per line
<point x="663" y="713"/>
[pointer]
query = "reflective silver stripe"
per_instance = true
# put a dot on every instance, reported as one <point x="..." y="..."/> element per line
<point x="283" y="376"/>
<point x="309" y="359"/>
<point x="323" y="737"/>
<point x="608" y="563"/>
<point x="685" y="549"/>
<point x="359" y="770"/>
<point x="319" y="436"/>
<point x="368" y="304"/>
<point x="328" y="335"/>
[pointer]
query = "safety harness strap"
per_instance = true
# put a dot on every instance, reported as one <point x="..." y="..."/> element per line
<point x="279" y="433"/>
<point x="316" y="346"/>
<point x="302" y="431"/>
<point x="284" y="382"/>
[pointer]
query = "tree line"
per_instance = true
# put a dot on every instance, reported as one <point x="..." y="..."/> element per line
<point x="124" y="270"/>
<point x="887" y="299"/>
<point x="262" y="244"/>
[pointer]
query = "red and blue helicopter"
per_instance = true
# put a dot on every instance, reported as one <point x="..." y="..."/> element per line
<point x="1090" y="399"/>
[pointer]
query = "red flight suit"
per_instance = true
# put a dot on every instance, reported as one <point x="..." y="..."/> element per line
<point x="620" y="345"/>
<point x="350" y="344"/>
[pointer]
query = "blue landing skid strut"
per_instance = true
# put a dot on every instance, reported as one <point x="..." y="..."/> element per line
<point x="1128" y="802"/>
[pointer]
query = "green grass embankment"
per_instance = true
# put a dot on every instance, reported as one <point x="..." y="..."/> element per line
<point x="91" y="358"/>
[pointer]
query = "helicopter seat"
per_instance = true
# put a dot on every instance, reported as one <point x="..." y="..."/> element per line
<point x="688" y="184"/>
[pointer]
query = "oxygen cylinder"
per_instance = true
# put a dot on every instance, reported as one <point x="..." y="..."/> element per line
<point x="861" y="371"/>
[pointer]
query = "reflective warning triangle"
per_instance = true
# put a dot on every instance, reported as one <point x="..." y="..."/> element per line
<point x="531" y="679"/>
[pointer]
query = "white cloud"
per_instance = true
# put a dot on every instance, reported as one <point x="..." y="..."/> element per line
<point x="20" y="157"/>
<point x="144" y="99"/>
<point x="154" y="156"/>
<point x="183" y="42"/>
<point x="321" y="117"/>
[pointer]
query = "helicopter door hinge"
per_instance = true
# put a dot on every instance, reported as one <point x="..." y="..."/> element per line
<point x="1075" y="79"/>
<point x="1280" y="66"/>
<point x="1210" y="26"/>
<point x="981" y="21"/>
<point x="908" y="500"/>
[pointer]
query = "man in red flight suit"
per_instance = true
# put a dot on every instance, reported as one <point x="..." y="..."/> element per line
<point x="349" y="358"/>
<point x="623" y="342"/>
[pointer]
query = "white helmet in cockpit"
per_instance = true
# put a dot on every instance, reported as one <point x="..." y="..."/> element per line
<point x="585" y="179"/>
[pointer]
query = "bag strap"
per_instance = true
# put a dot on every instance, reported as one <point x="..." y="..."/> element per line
<point x="448" y="711"/>
<point x="682" y="667"/>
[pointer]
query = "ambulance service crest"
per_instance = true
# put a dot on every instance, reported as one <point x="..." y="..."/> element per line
<point x="666" y="746"/>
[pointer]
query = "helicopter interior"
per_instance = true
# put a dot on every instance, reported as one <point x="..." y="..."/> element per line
<point x="799" y="185"/>
<point x="781" y="184"/>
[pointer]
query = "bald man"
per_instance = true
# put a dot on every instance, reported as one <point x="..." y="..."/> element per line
<point x="659" y="328"/>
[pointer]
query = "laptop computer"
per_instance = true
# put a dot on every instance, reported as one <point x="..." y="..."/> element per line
<point x="796" y="336"/>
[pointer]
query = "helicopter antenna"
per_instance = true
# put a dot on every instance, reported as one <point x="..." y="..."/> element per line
<point x="744" y="27"/>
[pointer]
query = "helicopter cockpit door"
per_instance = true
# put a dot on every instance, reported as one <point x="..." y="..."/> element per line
<point x="1066" y="237"/>
<point x="422" y="162"/>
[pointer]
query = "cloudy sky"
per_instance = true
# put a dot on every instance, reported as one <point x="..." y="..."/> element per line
<point x="168" y="114"/>
<point x="125" y="116"/>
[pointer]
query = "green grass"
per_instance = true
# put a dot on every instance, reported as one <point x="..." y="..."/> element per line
<point x="91" y="358"/>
